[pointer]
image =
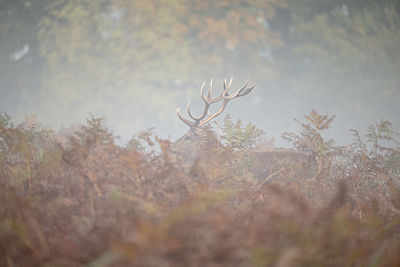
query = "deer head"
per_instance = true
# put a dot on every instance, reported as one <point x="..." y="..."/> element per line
<point x="190" y="146"/>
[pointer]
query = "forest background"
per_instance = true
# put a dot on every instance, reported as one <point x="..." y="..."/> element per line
<point x="134" y="62"/>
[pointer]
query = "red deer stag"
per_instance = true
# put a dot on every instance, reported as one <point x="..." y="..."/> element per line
<point x="188" y="149"/>
<point x="193" y="145"/>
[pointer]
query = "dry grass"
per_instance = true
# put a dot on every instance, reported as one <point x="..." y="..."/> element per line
<point x="82" y="200"/>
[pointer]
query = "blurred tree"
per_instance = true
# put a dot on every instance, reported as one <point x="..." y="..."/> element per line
<point x="20" y="63"/>
<point x="347" y="48"/>
<point x="141" y="54"/>
<point x="109" y="52"/>
<point x="134" y="59"/>
<point x="234" y="37"/>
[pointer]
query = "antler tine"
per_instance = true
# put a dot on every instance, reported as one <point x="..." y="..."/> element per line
<point x="215" y="114"/>
<point x="187" y="122"/>
<point x="191" y="115"/>
<point x="225" y="97"/>
<point x="207" y="97"/>
<point x="226" y="88"/>
<point x="209" y="91"/>
<point x="230" y="82"/>
<point x="201" y="90"/>
<point x="206" y="105"/>
<point x="246" y="89"/>
<point x="242" y="91"/>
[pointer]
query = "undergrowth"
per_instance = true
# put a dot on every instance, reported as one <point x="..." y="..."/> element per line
<point x="79" y="199"/>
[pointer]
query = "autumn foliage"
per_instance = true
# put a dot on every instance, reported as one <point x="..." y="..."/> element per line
<point x="76" y="198"/>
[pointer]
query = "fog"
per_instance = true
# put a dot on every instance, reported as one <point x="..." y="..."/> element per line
<point x="79" y="191"/>
<point x="134" y="63"/>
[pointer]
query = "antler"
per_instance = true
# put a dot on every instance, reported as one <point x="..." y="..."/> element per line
<point x="225" y="97"/>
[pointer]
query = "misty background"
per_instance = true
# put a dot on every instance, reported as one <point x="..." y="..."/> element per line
<point x="135" y="62"/>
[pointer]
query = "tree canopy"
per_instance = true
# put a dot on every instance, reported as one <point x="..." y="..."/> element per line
<point x="147" y="56"/>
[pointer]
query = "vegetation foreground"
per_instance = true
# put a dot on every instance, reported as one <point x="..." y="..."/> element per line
<point x="79" y="199"/>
